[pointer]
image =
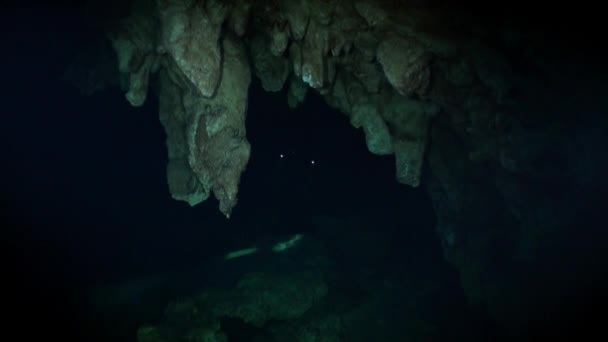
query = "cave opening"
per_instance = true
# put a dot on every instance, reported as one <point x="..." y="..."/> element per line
<point x="310" y="162"/>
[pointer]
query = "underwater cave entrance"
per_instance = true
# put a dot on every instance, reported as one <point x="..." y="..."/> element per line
<point x="311" y="162"/>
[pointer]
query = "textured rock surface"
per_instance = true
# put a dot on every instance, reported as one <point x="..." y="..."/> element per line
<point x="507" y="200"/>
<point x="350" y="53"/>
<point x="497" y="115"/>
<point x="183" y="23"/>
<point x="256" y="299"/>
<point x="406" y="65"/>
<point x="208" y="149"/>
<point x="203" y="113"/>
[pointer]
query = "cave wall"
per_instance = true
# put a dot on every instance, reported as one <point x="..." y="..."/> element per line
<point x="485" y="117"/>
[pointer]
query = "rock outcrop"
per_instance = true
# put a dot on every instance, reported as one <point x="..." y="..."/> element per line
<point x="256" y="299"/>
<point x="204" y="78"/>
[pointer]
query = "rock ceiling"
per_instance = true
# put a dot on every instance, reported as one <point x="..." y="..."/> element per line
<point x="378" y="64"/>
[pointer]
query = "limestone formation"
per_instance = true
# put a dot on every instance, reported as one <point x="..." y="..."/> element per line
<point x="208" y="149"/>
<point x="200" y="52"/>
<point x="422" y="83"/>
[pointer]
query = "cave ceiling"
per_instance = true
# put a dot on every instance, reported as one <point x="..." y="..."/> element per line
<point x="392" y="67"/>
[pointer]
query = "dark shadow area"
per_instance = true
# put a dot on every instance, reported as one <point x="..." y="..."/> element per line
<point x="238" y="330"/>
